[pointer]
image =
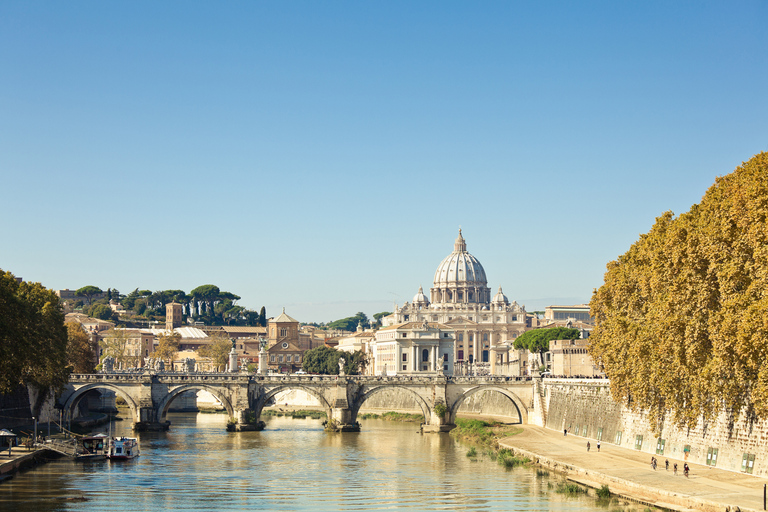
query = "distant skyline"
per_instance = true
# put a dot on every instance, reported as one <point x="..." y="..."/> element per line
<point x="322" y="156"/>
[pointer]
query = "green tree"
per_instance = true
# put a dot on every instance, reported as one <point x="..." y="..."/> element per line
<point x="350" y="323"/>
<point x="217" y="351"/>
<point x="88" y="292"/>
<point x="80" y="356"/>
<point x="354" y="362"/>
<point x="263" y="317"/>
<point x="379" y="316"/>
<point x="537" y="340"/>
<point x="681" y="317"/>
<point x="323" y="360"/>
<point x="33" y="339"/>
<point x="101" y="311"/>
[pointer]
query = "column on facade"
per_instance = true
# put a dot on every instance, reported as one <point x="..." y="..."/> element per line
<point x="475" y="343"/>
<point x="434" y="358"/>
<point x="414" y="359"/>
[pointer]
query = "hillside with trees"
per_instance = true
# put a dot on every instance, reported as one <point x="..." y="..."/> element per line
<point x="206" y="303"/>
<point x="681" y="322"/>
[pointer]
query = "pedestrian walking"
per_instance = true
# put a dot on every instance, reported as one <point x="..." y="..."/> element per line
<point x="674" y="468"/>
<point x="598" y="446"/>
<point x="588" y="446"/>
<point x="653" y="463"/>
<point x="565" y="432"/>
<point x="666" y="465"/>
<point x="685" y="469"/>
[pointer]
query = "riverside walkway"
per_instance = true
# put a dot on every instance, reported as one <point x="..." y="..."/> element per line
<point x="628" y="473"/>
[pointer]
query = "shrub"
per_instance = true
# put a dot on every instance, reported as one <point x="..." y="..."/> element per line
<point x="472" y="453"/>
<point x="603" y="492"/>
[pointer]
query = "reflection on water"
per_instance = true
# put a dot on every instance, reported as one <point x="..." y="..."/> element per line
<point x="292" y="465"/>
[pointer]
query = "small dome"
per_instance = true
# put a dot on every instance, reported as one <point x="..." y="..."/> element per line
<point x="500" y="298"/>
<point x="420" y="298"/>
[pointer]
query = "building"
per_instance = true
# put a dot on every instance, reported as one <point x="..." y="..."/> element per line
<point x="362" y="340"/>
<point x="577" y="313"/>
<point x="173" y="316"/>
<point x="414" y="348"/>
<point x="570" y="358"/>
<point x="461" y="300"/>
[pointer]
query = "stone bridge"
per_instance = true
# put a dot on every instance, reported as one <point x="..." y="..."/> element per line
<point x="149" y="395"/>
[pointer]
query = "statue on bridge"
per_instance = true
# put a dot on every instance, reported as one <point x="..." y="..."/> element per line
<point x="189" y="365"/>
<point x="341" y="367"/>
<point x="108" y="364"/>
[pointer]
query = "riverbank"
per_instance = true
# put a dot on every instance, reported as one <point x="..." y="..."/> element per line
<point x="628" y="473"/>
<point x="20" y="459"/>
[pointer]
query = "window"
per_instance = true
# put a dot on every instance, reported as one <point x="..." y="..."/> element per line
<point x="272" y="358"/>
<point x="445" y="335"/>
<point x="405" y="367"/>
<point x="298" y="358"/>
<point x="425" y="355"/>
<point x="747" y="463"/>
<point x="618" y="437"/>
<point x="405" y="357"/>
<point x="638" y="442"/>
<point x="289" y="358"/>
<point x="460" y="355"/>
<point x="485" y="336"/>
<point x="405" y="335"/>
<point x="712" y="457"/>
<point x="280" y="358"/>
<point x="471" y="337"/>
<point x="485" y="356"/>
<point x="584" y="431"/>
<point x="600" y="434"/>
<point x="461" y="336"/>
<point x="660" y="446"/>
<point x="445" y="357"/>
<point x="283" y="331"/>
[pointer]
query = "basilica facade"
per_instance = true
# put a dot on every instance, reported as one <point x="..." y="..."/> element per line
<point x="461" y="299"/>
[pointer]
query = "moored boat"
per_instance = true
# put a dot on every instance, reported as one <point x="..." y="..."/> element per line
<point x="92" y="447"/>
<point x="122" y="448"/>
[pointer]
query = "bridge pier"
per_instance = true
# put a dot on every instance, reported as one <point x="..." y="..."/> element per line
<point x="341" y="421"/>
<point x="148" y="421"/>
<point x="439" y="419"/>
<point x="246" y="420"/>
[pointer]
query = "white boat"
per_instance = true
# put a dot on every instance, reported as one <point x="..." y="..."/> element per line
<point x="122" y="448"/>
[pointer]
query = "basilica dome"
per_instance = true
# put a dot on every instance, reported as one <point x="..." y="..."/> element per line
<point x="460" y="277"/>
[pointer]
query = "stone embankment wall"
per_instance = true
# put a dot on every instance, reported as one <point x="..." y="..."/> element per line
<point x="585" y="408"/>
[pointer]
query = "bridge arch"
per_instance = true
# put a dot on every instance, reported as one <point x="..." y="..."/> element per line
<point x="426" y="410"/>
<point x="165" y="403"/>
<point x="79" y="393"/>
<point x="261" y="400"/>
<point x="522" y="411"/>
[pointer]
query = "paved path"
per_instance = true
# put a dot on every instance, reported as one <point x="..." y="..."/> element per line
<point x="629" y="472"/>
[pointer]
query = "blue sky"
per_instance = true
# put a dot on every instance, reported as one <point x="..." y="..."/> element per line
<point x="322" y="155"/>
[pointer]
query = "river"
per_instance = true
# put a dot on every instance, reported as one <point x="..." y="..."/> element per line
<point x="292" y="465"/>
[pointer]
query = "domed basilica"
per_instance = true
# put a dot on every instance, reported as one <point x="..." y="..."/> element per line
<point x="460" y="299"/>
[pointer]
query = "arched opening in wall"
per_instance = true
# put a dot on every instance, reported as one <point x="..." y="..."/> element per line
<point x="391" y="402"/>
<point x="92" y="405"/>
<point x="490" y="404"/>
<point x="291" y="401"/>
<point x="183" y="404"/>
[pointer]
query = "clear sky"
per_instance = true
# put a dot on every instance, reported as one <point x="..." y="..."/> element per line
<point x="322" y="156"/>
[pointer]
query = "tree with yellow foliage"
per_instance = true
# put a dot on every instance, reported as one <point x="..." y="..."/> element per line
<point x="682" y="318"/>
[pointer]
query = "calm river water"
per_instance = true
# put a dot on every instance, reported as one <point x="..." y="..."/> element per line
<point x="292" y="465"/>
